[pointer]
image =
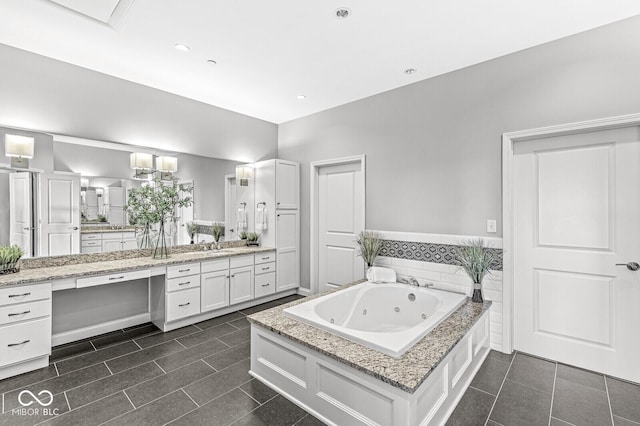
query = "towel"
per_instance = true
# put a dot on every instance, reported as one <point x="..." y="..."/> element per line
<point x="261" y="218"/>
<point x="376" y="274"/>
<point x="241" y="218"/>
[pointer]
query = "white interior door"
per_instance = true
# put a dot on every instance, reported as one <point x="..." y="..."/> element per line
<point x="230" y="233"/>
<point x="340" y="219"/>
<point x="576" y="210"/>
<point x="20" y="214"/>
<point x="60" y="214"/>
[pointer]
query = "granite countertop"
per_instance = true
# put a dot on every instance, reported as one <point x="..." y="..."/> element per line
<point x="96" y="265"/>
<point x="407" y="372"/>
<point x="97" y="229"/>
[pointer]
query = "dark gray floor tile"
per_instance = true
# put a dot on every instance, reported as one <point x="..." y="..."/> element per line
<point x="533" y="372"/>
<point x="230" y="356"/>
<point x="258" y="391"/>
<point x="237" y="337"/>
<point x="499" y="356"/>
<point x="473" y="409"/>
<point x="125" y="335"/>
<point x="581" y="377"/>
<point x="158" y="412"/>
<point x="57" y="385"/>
<point x="625" y="399"/>
<point x="96" y="413"/>
<point x="67" y="351"/>
<point x="143" y="356"/>
<point x="99" y="389"/>
<point x="558" y="422"/>
<point x="22" y="380"/>
<point x="492" y="423"/>
<point x="241" y="323"/>
<point x="277" y="412"/>
<point x="221" y="411"/>
<point x="520" y="405"/>
<point x="17" y="418"/>
<point x="259" y="308"/>
<point x="219" y="383"/>
<point x="206" y="335"/>
<point x="167" y="383"/>
<point x="619" y="421"/>
<point x="309" y="420"/>
<point x="156" y="339"/>
<point x="490" y="376"/>
<point x="290" y="298"/>
<point x="580" y="405"/>
<point x="96" y="357"/>
<point x="187" y="356"/>
<point x="220" y="320"/>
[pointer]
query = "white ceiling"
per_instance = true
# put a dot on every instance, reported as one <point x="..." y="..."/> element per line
<point x="268" y="52"/>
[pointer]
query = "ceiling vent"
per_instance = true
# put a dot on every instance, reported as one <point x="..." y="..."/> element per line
<point x="109" y="12"/>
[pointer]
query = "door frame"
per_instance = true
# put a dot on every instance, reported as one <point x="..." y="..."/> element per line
<point x="508" y="141"/>
<point x="315" y="205"/>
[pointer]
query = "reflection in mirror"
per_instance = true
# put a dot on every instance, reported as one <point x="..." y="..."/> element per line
<point x="17" y="219"/>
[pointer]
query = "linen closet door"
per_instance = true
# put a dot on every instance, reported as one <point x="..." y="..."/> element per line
<point x="576" y="238"/>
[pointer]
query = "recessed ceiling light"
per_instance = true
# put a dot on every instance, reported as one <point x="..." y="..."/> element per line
<point x="302" y="97"/>
<point x="342" y="13"/>
<point x="182" y="47"/>
<point x="212" y="61"/>
<point x="410" y="71"/>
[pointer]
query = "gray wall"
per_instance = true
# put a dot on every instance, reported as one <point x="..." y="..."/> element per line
<point x="434" y="148"/>
<point x="55" y="97"/>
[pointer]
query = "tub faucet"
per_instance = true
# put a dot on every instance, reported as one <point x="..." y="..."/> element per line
<point x="409" y="280"/>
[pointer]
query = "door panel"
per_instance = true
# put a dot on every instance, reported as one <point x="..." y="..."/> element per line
<point x="60" y="213"/>
<point x="20" y="211"/>
<point x="288" y="255"/>
<point x="576" y="209"/>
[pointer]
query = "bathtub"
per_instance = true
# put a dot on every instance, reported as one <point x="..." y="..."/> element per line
<point x="389" y="318"/>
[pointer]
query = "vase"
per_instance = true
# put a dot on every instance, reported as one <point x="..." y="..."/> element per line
<point x="161" y="250"/>
<point x="477" y="293"/>
<point x="145" y="237"/>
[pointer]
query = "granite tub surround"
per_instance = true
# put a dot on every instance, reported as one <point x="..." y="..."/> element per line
<point x="44" y="269"/>
<point x="406" y="373"/>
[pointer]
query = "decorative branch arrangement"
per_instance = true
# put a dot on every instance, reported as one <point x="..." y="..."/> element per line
<point x="369" y="245"/>
<point x="476" y="262"/>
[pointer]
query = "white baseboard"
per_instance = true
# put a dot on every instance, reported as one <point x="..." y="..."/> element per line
<point x="304" y="291"/>
<point x="95" y="330"/>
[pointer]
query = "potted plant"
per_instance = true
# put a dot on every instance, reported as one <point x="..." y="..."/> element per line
<point x="217" y="231"/>
<point x="9" y="257"/>
<point x="252" y="239"/>
<point x="476" y="262"/>
<point x="369" y="246"/>
<point x="192" y="230"/>
<point x="243" y="235"/>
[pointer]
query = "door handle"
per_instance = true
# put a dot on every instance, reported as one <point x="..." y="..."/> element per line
<point x="29" y="228"/>
<point x="75" y="228"/>
<point x="632" y="266"/>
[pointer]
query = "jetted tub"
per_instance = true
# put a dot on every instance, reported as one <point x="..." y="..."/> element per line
<point x="389" y="318"/>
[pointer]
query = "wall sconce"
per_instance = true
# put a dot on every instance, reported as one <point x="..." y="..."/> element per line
<point x="20" y="149"/>
<point x="142" y="163"/>
<point x="167" y="166"/>
<point x="243" y="174"/>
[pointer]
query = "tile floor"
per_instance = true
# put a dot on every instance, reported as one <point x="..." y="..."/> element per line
<point x="197" y="375"/>
<point x="519" y="389"/>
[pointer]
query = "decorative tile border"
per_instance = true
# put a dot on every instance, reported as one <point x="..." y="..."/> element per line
<point x="431" y="252"/>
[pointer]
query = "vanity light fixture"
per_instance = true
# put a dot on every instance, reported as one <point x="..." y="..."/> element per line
<point x="167" y="166"/>
<point x="244" y="172"/>
<point x="142" y="163"/>
<point x="20" y="149"/>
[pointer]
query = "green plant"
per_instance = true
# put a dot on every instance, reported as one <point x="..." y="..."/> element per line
<point x="243" y="235"/>
<point x="252" y="237"/>
<point x="217" y="231"/>
<point x="9" y="256"/>
<point x="369" y="246"/>
<point x="192" y="229"/>
<point x="476" y="262"/>
<point x="102" y="218"/>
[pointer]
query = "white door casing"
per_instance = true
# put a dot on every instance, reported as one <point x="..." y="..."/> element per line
<point x="574" y="214"/>
<point x="20" y="214"/>
<point x="59" y="214"/>
<point x="230" y="216"/>
<point x="339" y="217"/>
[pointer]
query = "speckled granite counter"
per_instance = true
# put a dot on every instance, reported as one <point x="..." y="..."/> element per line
<point x="407" y="372"/>
<point x="105" y="229"/>
<point x="98" y="265"/>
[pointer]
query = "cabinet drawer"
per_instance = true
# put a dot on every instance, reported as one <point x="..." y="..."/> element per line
<point x="182" y="304"/>
<point x="22" y="294"/>
<point x="183" y="270"/>
<point x="265" y="257"/>
<point x="97" y="249"/>
<point x="129" y="235"/>
<point x="90" y="237"/>
<point x="92" y="243"/>
<point x="265" y="284"/>
<point x="182" y="283"/>
<point x="112" y="236"/>
<point x="24" y="311"/>
<point x="265" y="268"/>
<point x="112" y="278"/>
<point x="24" y="341"/>
<point x="214" y="266"/>
<point x="241" y="261"/>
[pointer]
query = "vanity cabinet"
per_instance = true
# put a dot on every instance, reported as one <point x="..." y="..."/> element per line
<point x="288" y="253"/>
<point x="287" y="184"/>
<point x="99" y="242"/>
<point x="182" y="291"/>
<point x="241" y="279"/>
<point x="214" y="285"/>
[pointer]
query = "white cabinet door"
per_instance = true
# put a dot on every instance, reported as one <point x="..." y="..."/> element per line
<point x="287" y="253"/>
<point x="129" y="244"/>
<point x="287" y="178"/>
<point x="111" y="245"/>
<point x="60" y="214"/>
<point x="214" y="290"/>
<point x="116" y="215"/>
<point x="241" y="285"/>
